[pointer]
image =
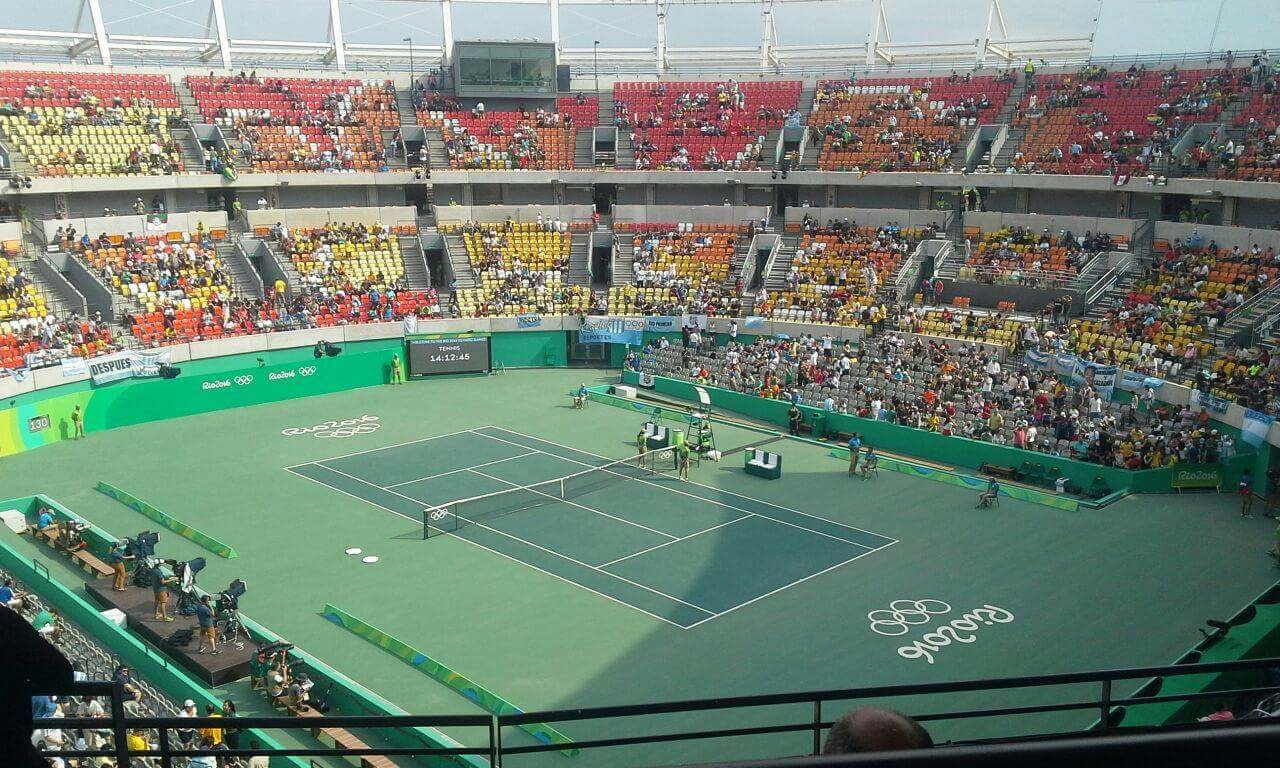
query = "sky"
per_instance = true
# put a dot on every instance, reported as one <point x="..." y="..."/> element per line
<point x="1126" y="27"/>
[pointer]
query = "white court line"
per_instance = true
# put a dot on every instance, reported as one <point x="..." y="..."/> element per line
<point x="703" y="499"/>
<point x="389" y="447"/>
<point x="575" y="504"/>
<point x="669" y="543"/>
<point x="789" y="586"/>
<point x="691" y="482"/>
<point x="523" y="541"/>
<point x="464" y="469"/>
<point x="493" y="551"/>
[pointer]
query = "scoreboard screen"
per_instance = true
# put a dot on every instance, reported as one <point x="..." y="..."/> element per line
<point x="504" y="69"/>
<point x="448" y="354"/>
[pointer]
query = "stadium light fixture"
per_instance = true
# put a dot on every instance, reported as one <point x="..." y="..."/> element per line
<point x="412" y="78"/>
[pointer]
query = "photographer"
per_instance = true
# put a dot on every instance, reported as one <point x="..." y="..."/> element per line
<point x="204" y="619"/>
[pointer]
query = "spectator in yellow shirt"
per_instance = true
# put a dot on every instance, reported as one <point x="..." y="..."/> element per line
<point x="214" y="735"/>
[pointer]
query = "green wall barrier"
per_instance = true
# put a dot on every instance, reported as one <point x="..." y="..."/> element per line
<point x="118" y="640"/>
<point x="530" y="349"/>
<point x="943" y="449"/>
<point x="975" y="484"/>
<point x="344" y="694"/>
<point x="476" y="693"/>
<point x="199" y="389"/>
<point x="177" y="526"/>
<point x="1258" y="638"/>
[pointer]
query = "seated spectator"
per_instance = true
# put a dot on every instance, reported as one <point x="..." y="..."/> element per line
<point x="873" y="729"/>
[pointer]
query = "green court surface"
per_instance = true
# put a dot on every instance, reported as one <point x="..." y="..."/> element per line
<point x="639" y="587"/>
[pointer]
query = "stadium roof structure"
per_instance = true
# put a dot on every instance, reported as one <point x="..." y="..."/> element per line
<point x="868" y="37"/>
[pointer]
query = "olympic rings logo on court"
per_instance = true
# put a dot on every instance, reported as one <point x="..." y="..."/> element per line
<point x="904" y="614"/>
<point x="306" y="370"/>
<point x="364" y="425"/>
<point x="244" y="380"/>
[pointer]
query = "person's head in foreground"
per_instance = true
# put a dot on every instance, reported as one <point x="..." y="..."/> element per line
<point x="873" y="729"/>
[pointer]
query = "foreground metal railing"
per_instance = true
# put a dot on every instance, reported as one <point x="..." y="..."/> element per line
<point x="808" y="714"/>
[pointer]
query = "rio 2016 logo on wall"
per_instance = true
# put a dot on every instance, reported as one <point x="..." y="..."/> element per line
<point x="364" y="425"/>
<point x="902" y="616"/>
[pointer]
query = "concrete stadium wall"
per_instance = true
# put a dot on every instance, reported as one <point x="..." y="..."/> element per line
<point x="1225" y="236"/>
<point x="458" y="214"/>
<point x="318" y="217"/>
<point x="123" y="225"/>
<point x="873" y="217"/>
<point x="703" y="214"/>
<point x="1076" y="224"/>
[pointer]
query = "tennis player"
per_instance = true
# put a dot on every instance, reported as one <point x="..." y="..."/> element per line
<point x="642" y="447"/>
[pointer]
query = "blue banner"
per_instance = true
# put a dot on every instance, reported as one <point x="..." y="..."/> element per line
<point x="1213" y="403"/>
<point x="662" y="324"/>
<point x="528" y="321"/>
<point x="612" y="330"/>
<point x="753" y="321"/>
<point x="1255" y="427"/>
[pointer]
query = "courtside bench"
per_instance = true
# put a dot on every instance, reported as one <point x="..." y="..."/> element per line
<point x="763" y="464"/>
<point x="88" y="562"/>
<point x="341" y="738"/>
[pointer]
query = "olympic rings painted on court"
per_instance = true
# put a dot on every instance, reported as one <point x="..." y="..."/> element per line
<point x="306" y="370"/>
<point x="363" y="425"/>
<point x="244" y="380"/>
<point x="903" y="614"/>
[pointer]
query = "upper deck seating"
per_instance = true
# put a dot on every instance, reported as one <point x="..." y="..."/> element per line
<point x="901" y="123"/>
<point x="1095" y="121"/>
<point x="702" y="125"/>
<point x="90" y="124"/>
<point x="295" y="124"/>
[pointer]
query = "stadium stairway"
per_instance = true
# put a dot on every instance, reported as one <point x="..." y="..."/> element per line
<point x="626" y="156"/>
<point x="404" y="107"/>
<point x="1012" y="143"/>
<point x="186" y="100"/>
<point x="18" y="161"/>
<point x="245" y="280"/>
<point x="579" y="253"/>
<point x="456" y="249"/>
<point x="292" y="277"/>
<point x="60" y="296"/>
<point x="188" y="148"/>
<point x="624" y="272"/>
<point x="415" y="262"/>
<point x="583" y="154"/>
<point x="605" y="114"/>
<point x="776" y="280"/>
<point x="769" y="149"/>
<point x="437" y="155"/>
<point x="740" y="253"/>
<point x="809" y="160"/>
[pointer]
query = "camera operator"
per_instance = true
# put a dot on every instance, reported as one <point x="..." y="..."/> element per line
<point x="204" y="618"/>
<point x="300" y="692"/>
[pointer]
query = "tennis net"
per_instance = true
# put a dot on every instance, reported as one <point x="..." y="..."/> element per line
<point x="446" y="518"/>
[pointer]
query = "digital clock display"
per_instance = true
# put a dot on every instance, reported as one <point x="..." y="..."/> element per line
<point x="462" y="354"/>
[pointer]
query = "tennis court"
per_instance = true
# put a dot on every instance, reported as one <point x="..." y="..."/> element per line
<point x="631" y="534"/>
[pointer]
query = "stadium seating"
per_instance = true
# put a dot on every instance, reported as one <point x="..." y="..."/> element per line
<point x="173" y="279"/>
<point x="900" y="124"/>
<point x="521" y="268"/>
<point x="504" y="140"/>
<point x="296" y="124"/>
<point x="836" y="271"/>
<point x="346" y="258"/>
<point x="90" y="124"/>
<point x="683" y="267"/>
<point x="1095" y="121"/>
<point x="702" y="125"/>
<point x="1013" y="255"/>
<point x="1256" y="157"/>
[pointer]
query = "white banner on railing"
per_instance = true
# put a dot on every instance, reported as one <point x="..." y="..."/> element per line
<point x="124" y="365"/>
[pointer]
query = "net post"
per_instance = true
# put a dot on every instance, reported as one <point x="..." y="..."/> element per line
<point x="426" y="523"/>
